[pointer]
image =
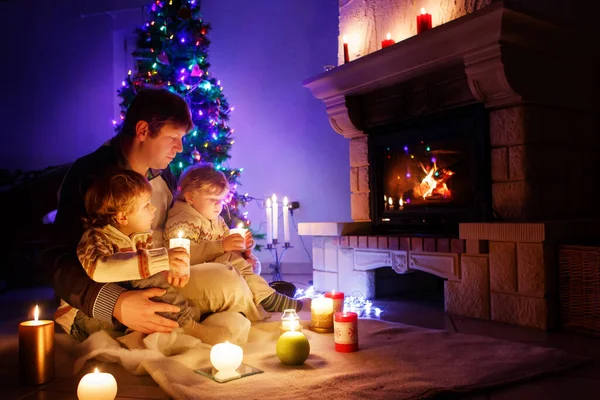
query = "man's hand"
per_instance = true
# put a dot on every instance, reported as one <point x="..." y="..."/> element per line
<point x="234" y="242"/>
<point x="136" y="311"/>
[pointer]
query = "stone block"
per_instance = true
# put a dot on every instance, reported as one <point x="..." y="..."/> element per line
<point x="359" y="206"/>
<point x="382" y="242"/>
<point x="531" y="269"/>
<point x="372" y="242"/>
<point x="393" y="243"/>
<point x="353" y="241"/>
<point x="429" y="245"/>
<point x="499" y="160"/>
<point x="330" y="250"/>
<point x="503" y="267"/>
<point x="404" y="243"/>
<point x="345" y="265"/>
<point x="471" y="296"/>
<point x="457" y="246"/>
<point x="344" y="241"/>
<point x="515" y="125"/>
<point x="473" y="246"/>
<point x="518" y="310"/>
<point x="359" y="152"/>
<point x="363" y="179"/>
<point x="416" y="244"/>
<point x="318" y="254"/>
<point x="325" y="281"/>
<point x="354" y="179"/>
<point x="363" y="242"/>
<point x="514" y="201"/>
<point x="443" y="245"/>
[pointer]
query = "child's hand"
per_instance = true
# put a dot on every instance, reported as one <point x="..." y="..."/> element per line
<point x="248" y="239"/>
<point x="233" y="242"/>
<point x="179" y="261"/>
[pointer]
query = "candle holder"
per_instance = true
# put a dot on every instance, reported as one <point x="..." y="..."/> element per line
<point x="277" y="256"/>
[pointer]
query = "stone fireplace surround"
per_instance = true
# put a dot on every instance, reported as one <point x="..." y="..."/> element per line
<point x="539" y="83"/>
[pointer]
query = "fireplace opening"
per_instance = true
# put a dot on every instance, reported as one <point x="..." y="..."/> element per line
<point x="431" y="173"/>
<point x="415" y="287"/>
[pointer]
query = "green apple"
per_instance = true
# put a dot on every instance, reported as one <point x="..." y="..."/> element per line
<point x="293" y="348"/>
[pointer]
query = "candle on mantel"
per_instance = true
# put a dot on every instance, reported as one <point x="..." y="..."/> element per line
<point x="388" y="41"/>
<point x="338" y="300"/>
<point x="97" y="386"/>
<point x="36" y="350"/>
<point x="180" y="241"/>
<point x="269" y="223"/>
<point x="275" y="218"/>
<point x="240" y="230"/>
<point x="390" y="203"/>
<point x="346" y="53"/>
<point x="423" y="21"/>
<point x="286" y="221"/>
<point x="345" y="334"/>
<point x="321" y="315"/>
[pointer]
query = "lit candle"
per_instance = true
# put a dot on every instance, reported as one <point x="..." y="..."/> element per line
<point x="346" y="53"/>
<point x="36" y="350"/>
<point x="181" y="242"/>
<point x="286" y="221"/>
<point x="346" y="332"/>
<point x="338" y="300"/>
<point x="269" y="222"/>
<point x="387" y="42"/>
<point x="240" y="230"/>
<point x="390" y="203"/>
<point x="226" y="358"/>
<point x="423" y="21"/>
<point x="292" y="348"/>
<point x="290" y="321"/>
<point x="401" y="203"/>
<point x="97" y="386"/>
<point x="321" y="315"/>
<point x="275" y="217"/>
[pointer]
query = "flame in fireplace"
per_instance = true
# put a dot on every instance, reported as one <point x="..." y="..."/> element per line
<point x="434" y="183"/>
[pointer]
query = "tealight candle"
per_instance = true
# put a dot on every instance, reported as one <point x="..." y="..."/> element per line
<point x="338" y="300"/>
<point x="36" y="350"/>
<point x="240" y="230"/>
<point x="290" y="321"/>
<point x="321" y="315"/>
<point x="345" y="331"/>
<point x="226" y="358"/>
<point x="181" y="242"/>
<point x="97" y="386"/>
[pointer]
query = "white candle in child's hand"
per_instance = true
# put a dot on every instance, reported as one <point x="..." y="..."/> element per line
<point x="97" y="386"/>
<point x="286" y="220"/>
<point x="275" y="217"/>
<point x="269" y="223"/>
<point x="240" y="230"/>
<point x="181" y="242"/>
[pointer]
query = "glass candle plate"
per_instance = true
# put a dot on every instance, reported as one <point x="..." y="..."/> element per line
<point x="243" y="371"/>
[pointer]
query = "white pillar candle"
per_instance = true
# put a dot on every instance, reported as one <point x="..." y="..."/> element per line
<point x="269" y="222"/>
<point x="321" y="313"/>
<point x="275" y="217"/>
<point x="240" y="230"/>
<point x="181" y="242"/>
<point x="226" y="358"/>
<point x="97" y="386"/>
<point x="286" y="220"/>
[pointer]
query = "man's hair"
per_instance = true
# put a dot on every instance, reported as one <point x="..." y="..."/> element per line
<point x="113" y="192"/>
<point x="157" y="107"/>
<point x="202" y="177"/>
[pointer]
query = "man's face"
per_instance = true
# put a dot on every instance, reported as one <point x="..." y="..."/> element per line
<point x="140" y="219"/>
<point x="160" y="150"/>
<point x="209" y="205"/>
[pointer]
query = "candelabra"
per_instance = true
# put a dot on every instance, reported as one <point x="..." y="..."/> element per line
<point x="277" y="256"/>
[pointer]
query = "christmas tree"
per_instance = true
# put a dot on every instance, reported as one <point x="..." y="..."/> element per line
<point x="172" y="52"/>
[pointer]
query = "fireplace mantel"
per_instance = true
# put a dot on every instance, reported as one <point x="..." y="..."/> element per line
<point x="509" y="59"/>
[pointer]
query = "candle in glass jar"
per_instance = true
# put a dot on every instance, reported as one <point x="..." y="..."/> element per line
<point x="181" y="242"/>
<point x="36" y="350"/>
<point x="97" y="386"/>
<point x="345" y="331"/>
<point x="290" y="321"/>
<point x="338" y="300"/>
<point x="321" y="315"/>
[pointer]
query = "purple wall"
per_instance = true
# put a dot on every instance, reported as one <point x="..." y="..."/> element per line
<point x="60" y="96"/>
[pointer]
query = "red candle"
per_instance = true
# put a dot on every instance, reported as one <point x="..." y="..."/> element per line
<point x="346" y="54"/>
<point x="387" y="42"/>
<point x="345" y="328"/>
<point x="423" y="21"/>
<point x="338" y="300"/>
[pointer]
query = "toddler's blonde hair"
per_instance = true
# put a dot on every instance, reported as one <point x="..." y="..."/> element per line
<point x="202" y="177"/>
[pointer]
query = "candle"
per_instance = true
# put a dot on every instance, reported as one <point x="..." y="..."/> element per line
<point x="387" y="42"/>
<point x="338" y="300"/>
<point x="286" y="221"/>
<point x="269" y="223"/>
<point x="321" y="315"/>
<point x="292" y="348"/>
<point x="275" y="217"/>
<point x="423" y="21"/>
<point x="181" y="242"/>
<point x="345" y="332"/>
<point x="36" y="350"/>
<point x="240" y="230"/>
<point x="346" y="53"/>
<point x="97" y="386"/>
<point x="226" y="358"/>
<point x="290" y="321"/>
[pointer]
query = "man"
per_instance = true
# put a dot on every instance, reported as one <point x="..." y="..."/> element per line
<point x="152" y="134"/>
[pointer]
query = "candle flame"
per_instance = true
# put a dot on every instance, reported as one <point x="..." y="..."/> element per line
<point x="285" y="201"/>
<point x="274" y="198"/>
<point x="36" y="312"/>
<point x="345" y="39"/>
<point x="388" y="36"/>
<point x="294" y="325"/>
<point x="422" y="10"/>
<point x="96" y="370"/>
<point x="401" y="202"/>
<point x="180" y="234"/>
<point x="268" y="203"/>
<point x="390" y="201"/>
<point x="333" y="292"/>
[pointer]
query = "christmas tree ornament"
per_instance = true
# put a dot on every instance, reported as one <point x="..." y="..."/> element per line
<point x="163" y="58"/>
<point x="196" y="71"/>
<point x="196" y="155"/>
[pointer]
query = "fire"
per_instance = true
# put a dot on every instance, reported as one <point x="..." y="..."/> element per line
<point x="434" y="182"/>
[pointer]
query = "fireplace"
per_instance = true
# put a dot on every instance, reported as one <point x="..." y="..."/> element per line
<point x="430" y="173"/>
